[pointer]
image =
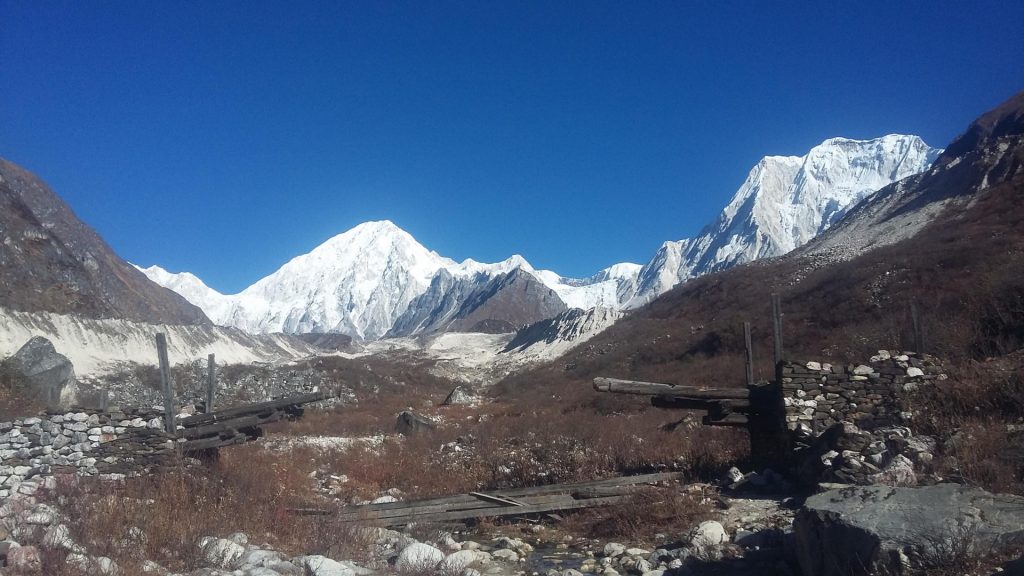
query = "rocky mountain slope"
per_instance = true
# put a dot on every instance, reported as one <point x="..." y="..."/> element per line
<point x="850" y="292"/>
<point x="52" y="261"/>
<point x="376" y="280"/>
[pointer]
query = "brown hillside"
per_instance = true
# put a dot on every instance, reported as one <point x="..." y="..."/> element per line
<point x="965" y="271"/>
<point x="52" y="261"/>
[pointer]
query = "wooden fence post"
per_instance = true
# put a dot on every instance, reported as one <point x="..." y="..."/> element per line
<point x="750" y="353"/>
<point x="104" y="401"/>
<point x="777" y="326"/>
<point x="165" y="382"/>
<point x="211" y="382"/>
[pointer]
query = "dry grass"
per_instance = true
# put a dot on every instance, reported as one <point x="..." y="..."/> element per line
<point x="163" y="516"/>
<point x="641" y="516"/>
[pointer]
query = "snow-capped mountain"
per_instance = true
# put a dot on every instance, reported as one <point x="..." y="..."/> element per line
<point x="376" y="279"/>
<point x="784" y="203"/>
<point x="363" y="281"/>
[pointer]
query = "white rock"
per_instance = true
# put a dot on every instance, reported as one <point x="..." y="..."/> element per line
<point x="912" y="372"/>
<point x="459" y="561"/>
<point x="816" y="366"/>
<point x="220" y="552"/>
<point x="323" y="566"/>
<point x="708" y="533"/>
<point x="419" y="556"/>
<point x="505" y="555"/>
<point x="612" y="549"/>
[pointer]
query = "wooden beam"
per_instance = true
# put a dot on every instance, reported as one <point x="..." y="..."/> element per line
<point x="280" y="403"/>
<point x="617" y="386"/>
<point x="683" y="403"/>
<point x="730" y="420"/>
<point x="777" y="327"/>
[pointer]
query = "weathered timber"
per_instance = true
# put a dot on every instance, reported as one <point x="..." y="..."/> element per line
<point x="496" y="499"/>
<point x="617" y="386"/>
<point x="257" y="408"/>
<point x="675" y="403"/>
<point x="736" y="420"/>
<point x="550" y="494"/>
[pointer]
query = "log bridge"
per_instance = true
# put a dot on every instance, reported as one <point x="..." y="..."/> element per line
<point x="757" y="407"/>
<point x="539" y="500"/>
<point x="240" y="424"/>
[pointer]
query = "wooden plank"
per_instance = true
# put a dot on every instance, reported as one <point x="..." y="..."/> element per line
<point x="496" y="512"/>
<point x="617" y="386"/>
<point x="495" y="499"/>
<point x="165" y="383"/>
<point x="481" y="506"/>
<point x="518" y="493"/>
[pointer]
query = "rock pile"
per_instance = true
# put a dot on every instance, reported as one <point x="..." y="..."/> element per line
<point x="848" y="455"/>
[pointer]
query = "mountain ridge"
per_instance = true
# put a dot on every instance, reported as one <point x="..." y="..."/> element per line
<point x="376" y="280"/>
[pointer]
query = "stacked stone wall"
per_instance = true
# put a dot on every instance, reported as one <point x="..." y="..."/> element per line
<point x="80" y="442"/>
<point x="874" y="395"/>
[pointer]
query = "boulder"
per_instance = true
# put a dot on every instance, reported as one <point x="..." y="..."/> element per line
<point x="459" y="395"/>
<point x="418" y="556"/>
<point x="866" y="530"/>
<point x="412" y="423"/>
<point x="709" y="533"/>
<point x="323" y="566"/>
<point x="50" y="375"/>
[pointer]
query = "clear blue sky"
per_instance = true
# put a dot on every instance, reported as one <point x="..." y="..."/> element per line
<point x="226" y="137"/>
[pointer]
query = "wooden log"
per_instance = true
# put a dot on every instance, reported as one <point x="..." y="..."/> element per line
<point x="280" y="403"/>
<point x="617" y="386"/>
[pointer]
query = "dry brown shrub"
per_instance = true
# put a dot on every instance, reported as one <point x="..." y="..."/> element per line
<point x="164" y="515"/>
<point x="642" y="515"/>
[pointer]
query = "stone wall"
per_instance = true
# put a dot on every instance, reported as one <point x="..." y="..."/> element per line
<point x="872" y="395"/>
<point x="88" y="443"/>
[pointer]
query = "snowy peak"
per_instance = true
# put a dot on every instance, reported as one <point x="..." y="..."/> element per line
<point x="784" y="202"/>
